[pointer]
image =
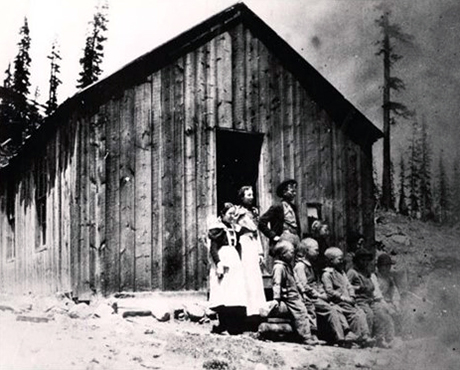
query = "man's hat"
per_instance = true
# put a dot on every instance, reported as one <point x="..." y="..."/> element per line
<point x="282" y="187"/>
<point x="384" y="259"/>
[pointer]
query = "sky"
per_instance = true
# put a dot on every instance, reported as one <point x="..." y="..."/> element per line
<point x="336" y="36"/>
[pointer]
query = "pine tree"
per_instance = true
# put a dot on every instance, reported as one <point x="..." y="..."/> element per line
<point x="402" y="206"/>
<point x="426" y="196"/>
<point x="6" y="112"/>
<point x="443" y="192"/>
<point x="456" y="190"/>
<point x="94" y="47"/>
<point x="414" y="172"/>
<point x="391" y="33"/>
<point x="54" y="57"/>
<point x="21" y="114"/>
<point x="392" y="188"/>
<point x="22" y="61"/>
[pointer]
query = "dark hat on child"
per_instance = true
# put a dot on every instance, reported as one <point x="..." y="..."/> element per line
<point x="362" y="254"/>
<point x="384" y="259"/>
<point x="282" y="187"/>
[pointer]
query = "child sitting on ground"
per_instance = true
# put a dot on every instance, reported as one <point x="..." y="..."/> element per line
<point x="370" y="299"/>
<point x="321" y="312"/>
<point x="340" y="292"/>
<point x="388" y="287"/>
<point x="285" y="290"/>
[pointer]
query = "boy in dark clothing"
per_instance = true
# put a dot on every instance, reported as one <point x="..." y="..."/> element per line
<point x="315" y="298"/>
<point x="340" y="291"/>
<point x="285" y="290"/>
<point x="281" y="221"/>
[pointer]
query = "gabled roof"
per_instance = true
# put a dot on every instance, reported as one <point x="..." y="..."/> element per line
<point x="324" y="94"/>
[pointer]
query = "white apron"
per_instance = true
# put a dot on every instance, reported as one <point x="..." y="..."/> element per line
<point x="229" y="290"/>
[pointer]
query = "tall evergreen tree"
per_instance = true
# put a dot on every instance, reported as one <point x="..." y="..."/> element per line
<point x="94" y="47"/>
<point x="414" y="172"/>
<point x="426" y="196"/>
<point x="402" y="205"/>
<point x="22" y="61"/>
<point x="391" y="34"/>
<point x="54" y="81"/>
<point x="392" y="188"/>
<point x="443" y="191"/>
<point x="456" y="190"/>
<point x="6" y="109"/>
<point x="21" y="114"/>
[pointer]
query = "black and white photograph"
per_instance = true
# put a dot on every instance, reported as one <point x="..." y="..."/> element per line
<point x="229" y="185"/>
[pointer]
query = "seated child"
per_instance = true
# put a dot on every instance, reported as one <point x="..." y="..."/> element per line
<point x="340" y="292"/>
<point x="369" y="298"/>
<point x="285" y="290"/>
<point x="315" y="298"/>
<point x="388" y="287"/>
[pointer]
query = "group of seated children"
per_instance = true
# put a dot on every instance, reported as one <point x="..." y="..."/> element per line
<point x="342" y="307"/>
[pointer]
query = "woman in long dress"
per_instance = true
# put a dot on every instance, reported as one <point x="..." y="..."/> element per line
<point x="226" y="279"/>
<point x="252" y="253"/>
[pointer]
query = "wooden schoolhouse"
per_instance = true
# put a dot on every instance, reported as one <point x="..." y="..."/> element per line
<point x="117" y="188"/>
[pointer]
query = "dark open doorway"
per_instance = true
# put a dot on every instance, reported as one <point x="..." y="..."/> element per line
<point x="238" y="156"/>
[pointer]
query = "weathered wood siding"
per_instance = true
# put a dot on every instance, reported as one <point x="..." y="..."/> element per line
<point x="132" y="184"/>
<point x="41" y="259"/>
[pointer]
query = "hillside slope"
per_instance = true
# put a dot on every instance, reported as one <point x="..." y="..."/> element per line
<point x="427" y="267"/>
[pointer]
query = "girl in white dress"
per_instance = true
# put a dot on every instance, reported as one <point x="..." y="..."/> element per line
<point x="252" y="254"/>
<point x="226" y="279"/>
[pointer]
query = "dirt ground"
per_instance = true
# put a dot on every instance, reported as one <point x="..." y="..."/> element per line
<point x="53" y="333"/>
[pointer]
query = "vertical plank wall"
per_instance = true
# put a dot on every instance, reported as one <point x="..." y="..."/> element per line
<point x="39" y="266"/>
<point x="301" y="141"/>
<point x="132" y="184"/>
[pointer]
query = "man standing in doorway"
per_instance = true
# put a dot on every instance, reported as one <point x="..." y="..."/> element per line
<point x="281" y="221"/>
